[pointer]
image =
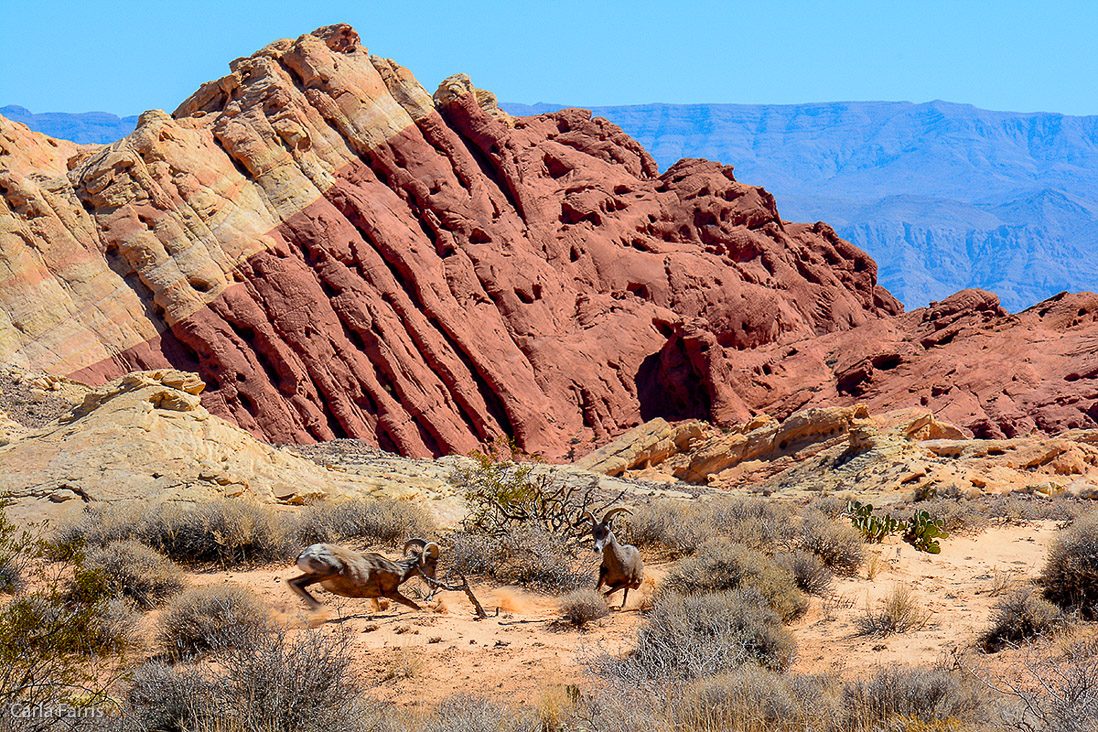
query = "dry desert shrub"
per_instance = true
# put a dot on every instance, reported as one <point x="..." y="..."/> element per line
<point x="957" y="515"/>
<point x="809" y="572"/>
<point x="754" y="699"/>
<point x="674" y="526"/>
<point x="900" y="612"/>
<point x="719" y="566"/>
<point x="898" y="694"/>
<point x="1070" y="576"/>
<point x="98" y="526"/>
<point x="133" y="570"/>
<point x="1052" y="692"/>
<point x="838" y="545"/>
<point x="583" y="606"/>
<point x="477" y="714"/>
<point x="170" y="697"/>
<point x="527" y="556"/>
<point x="373" y="520"/>
<point x="211" y="618"/>
<point x="678" y="527"/>
<point x="693" y="636"/>
<point x="763" y="525"/>
<point x="226" y="532"/>
<point x="1020" y="616"/>
<point x="267" y="682"/>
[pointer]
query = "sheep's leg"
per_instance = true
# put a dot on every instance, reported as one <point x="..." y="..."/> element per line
<point x="395" y="595"/>
<point x="624" y="597"/>
<point x="602" y="578"/>
<point x="298" y="585"/>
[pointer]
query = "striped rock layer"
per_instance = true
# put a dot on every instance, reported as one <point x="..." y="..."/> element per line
<point x="339" y="253"/>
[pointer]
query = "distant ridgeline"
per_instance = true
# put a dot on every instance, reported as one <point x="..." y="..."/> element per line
<point x="943" y="196"/>
<point x="85" y="128"/>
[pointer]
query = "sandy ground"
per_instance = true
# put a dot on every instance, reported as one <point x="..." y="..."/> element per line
<point x="524" y="652"/>
<point x="959" y="587"/>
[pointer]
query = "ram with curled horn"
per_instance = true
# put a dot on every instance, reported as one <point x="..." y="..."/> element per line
<point x="345" y="572"/>
<point x="622" y="566"/>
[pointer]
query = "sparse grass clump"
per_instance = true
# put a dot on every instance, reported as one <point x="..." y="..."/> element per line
<point x="211" y="618"/>
<point x="809" y="572"/>
<point x="719" y="566"/>
<point x="838" y="545"/>
<point x="526" y="556"/>
<point x="135" y="571"/>
<point x="1021" y="616"/>
<point x="693" y="636"/>
<point x="583" y="606"/>
<point x="900" y="612"/>
<point x="1070" y="576"/>
<point x="374" y="520"/>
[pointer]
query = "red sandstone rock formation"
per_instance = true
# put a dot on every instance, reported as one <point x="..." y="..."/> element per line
<point x="337" y="253"/>
<point x="965" y="358"/>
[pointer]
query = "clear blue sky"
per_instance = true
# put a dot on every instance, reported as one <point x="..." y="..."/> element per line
<point x="125" y="57"/>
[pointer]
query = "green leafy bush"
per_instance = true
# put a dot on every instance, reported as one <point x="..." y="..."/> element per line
<point x="63" y="636"/>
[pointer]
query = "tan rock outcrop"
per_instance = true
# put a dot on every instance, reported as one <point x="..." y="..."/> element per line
<point x="147" y="436"/>
<point x="769" y="440"/>
<point x="648" y="444"/>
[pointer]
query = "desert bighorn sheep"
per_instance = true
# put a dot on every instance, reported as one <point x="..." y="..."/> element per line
<point x="345" y="572"/>
<point x="622" y="566"/>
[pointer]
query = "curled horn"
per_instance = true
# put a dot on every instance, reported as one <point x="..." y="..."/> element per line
<point x="421" y="544"/>
<point x="610" y="514"/>
<point x="586" y="515"/>
<point x="431" y="550"/>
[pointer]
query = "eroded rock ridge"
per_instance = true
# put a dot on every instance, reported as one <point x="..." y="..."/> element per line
<point x="338" y="253"/>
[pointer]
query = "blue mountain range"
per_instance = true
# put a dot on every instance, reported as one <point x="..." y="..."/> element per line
<point x="944" y="196"/>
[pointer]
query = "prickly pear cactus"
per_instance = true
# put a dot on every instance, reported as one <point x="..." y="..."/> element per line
<point x="874" y="528"/>
<point x="923" y="533"/>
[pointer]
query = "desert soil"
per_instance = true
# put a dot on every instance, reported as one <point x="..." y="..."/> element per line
<point x="524" y="652"/>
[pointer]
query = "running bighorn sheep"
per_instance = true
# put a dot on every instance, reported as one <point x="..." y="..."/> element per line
<point x="622" y="566"/>
<point x="348" y="573"/>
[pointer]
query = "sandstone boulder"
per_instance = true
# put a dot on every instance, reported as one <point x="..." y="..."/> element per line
<point x="649" y="444"/>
